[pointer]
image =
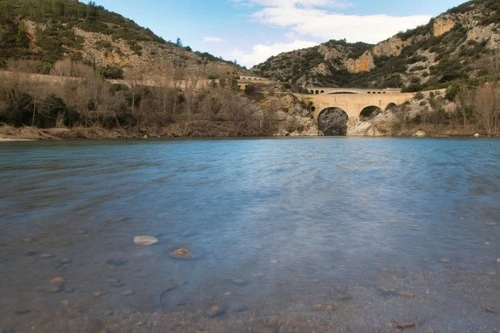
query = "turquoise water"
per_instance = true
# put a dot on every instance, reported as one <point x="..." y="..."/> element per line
<point x="275" y="224"/>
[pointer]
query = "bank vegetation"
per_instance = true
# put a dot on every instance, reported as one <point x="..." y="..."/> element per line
<point x="174" y="104"/>
<point x="465" y="109"/>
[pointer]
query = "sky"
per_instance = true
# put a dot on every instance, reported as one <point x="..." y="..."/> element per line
<point x="251" y="31"/>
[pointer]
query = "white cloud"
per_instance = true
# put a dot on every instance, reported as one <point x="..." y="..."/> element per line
<point x="324" y="25"/>
<point x="213" y="40"/>
<point x="297" y="3"/>
<point x="318" y="21"/>
<point x="261" y="52"/>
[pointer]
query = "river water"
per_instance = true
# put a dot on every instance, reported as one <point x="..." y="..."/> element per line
<point x="284" y="235"/>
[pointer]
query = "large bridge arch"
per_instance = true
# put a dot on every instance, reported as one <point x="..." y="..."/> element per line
<point x="332" y="121"/>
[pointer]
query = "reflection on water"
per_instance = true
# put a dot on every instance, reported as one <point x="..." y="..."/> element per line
<point x="277" y="226"/>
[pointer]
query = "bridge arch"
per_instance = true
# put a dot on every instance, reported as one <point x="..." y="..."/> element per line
<point x="369" y="112"/>
<point x="390" y="106"/>
<point x="332" y="121"/>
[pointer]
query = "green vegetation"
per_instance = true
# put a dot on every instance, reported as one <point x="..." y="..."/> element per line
<point x="50" y="33"/>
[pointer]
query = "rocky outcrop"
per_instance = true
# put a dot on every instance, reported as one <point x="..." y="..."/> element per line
<point x="364" y="63"/>
<point x="146" y="56"/>
<point x="443" y="25"/>
<point x="390" y="47"/>
<point x="487" y="33"/>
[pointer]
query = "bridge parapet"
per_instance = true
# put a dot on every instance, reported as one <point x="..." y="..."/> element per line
<point x="329" y="91"/>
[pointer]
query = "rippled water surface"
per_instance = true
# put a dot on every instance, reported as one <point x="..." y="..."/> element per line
<point x="347" y="235"/>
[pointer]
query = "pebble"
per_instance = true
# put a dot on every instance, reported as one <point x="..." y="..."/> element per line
<point x="57" y="281"/>
<point x="98" y="293"/>
<point x="498" y="260"/>
<point x="215" y="310"/>
<point x="444" y="260"/>
<point x="46" y="255"/>
<point x="31" y="253"/>
<point x="145" y="240"/>
<point x="406" y="325"/>
<point x="407" y="294"/>
<point x="490" y="309"/>
<point x="65" y="261"/>
<point x="238" y="282"/>
<point x="240" y="308"/>
<point x="323" y="307"/>
<point x="108" y="313"/>
<point x="55" y="289"/>
<point x="21" y="312"/>
<point x="127" y="293"/>
<point x="274" y="261"/>
<point x="184" y="254"/>
<point x="116" y="262"/>
<point x="115" y="282"/>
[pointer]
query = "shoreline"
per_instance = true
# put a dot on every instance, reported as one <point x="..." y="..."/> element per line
<point x="28" y="134"/>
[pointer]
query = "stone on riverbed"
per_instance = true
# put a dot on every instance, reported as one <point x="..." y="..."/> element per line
<point x="57" y="281"/>
<point x="406" y="325"/>
<point x="184" y="253"/>
<point x="215" y="310"/>
<point x="145" y="240"/>
<point x="127" y="293"/>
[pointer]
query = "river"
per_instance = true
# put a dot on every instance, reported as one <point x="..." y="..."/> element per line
<point x="283" y="235"/>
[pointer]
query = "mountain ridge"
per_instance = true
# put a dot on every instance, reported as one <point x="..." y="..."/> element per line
<point x="41" y="33"/>
<point x="450" y="47"/>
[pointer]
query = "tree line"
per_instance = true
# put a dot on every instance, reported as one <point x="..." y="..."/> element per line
<point x="82" y="97"/>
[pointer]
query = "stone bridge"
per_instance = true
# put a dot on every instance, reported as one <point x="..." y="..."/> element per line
<point x="335" y="111"/>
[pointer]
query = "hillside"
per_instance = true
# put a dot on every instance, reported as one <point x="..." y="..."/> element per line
<point x="36" y="34"/>
<point x="463" y="43"/>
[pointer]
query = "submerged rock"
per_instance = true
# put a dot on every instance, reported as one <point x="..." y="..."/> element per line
<point x="57" y="281"/>
<point x="183" y="253"/>
<point x="145" y="240"/>
<point x="406" y="325"/>
<point x="127" y="293"/>
<point x="215" y="310"/>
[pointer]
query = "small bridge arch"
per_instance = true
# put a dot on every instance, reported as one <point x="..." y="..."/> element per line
<point x="369" y="112"/>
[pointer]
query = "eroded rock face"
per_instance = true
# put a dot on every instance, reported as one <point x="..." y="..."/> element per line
<point x="390" y="47"/>
<point x="442" y="25"/>
<point x="364" y="63"/>
<point x="333" y="122"/>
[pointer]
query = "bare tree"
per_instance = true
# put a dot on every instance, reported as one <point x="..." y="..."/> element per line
<point x="487" y="108"/>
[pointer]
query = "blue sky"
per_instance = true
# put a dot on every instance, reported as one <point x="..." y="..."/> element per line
<point x="250" y="31"/>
